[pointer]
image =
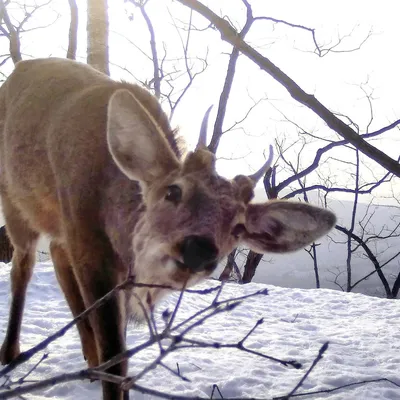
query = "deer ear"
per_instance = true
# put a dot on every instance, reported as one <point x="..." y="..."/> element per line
<point x="283" y="226"/>
<point x="136" y="141"/>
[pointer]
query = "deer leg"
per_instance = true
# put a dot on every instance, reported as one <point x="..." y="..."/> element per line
<point x="24" y="241"/>
<point x="69" y="285"/>
<point x="97" y="271"/>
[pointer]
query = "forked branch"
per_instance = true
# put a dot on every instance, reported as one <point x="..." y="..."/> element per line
<point x="230" y="35"/>
<point x="172" y="338"/>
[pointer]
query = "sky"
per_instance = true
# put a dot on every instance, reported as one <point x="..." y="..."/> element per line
<point x="339" y="80"/>
<point x="334" y="79"/>
<point x="362" y="332"/>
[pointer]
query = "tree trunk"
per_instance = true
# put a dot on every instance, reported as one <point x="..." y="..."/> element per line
<point x="13" y="34"/>
<point x="396" y="287"/>
<point x="226" y="273"/>
<point x="6" y="248"/>
<point x="371" y="257"/>
<point x="315" y="262"/>
<point x="253" y="259"/>
<point x="97" y="35"/>
<point x="73" y="31"/>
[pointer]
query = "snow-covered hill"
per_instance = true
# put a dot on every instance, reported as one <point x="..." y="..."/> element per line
<point x="363" y="333"/>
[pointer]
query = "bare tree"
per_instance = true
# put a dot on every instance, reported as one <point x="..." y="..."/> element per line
<point x="172" y="76"/>
<point x="232" y="36"/>
<point x="351" y="135"/>
<point x="97" y="35"/>
<point x="14" y="18"/>
<point x="296" y="178"/>
<point x="391" y="292"/>
<point x="12" y="33"/>
<point x="73" y="30"/>
<point x="153" y="45"/>
<point x="230" y="266"/>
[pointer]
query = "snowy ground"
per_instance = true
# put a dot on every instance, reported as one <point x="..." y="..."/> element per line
<point x="363" y="332"/>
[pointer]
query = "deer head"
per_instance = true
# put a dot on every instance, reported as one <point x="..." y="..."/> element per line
<point x="193" y="217"/>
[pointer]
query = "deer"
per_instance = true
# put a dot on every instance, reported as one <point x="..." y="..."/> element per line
<point x="94" y="164"/>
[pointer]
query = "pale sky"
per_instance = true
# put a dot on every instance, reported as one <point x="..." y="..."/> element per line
<point x="334" y="79"/>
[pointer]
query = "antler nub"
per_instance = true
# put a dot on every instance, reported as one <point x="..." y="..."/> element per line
<point x="203" y="130"/>
<point x="261" y="172"/>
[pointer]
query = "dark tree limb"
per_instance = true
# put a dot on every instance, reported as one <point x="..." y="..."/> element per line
<point x="396" y="287"/>
<point x="12" y="34"/>
<point x="371" y="256"/>
<point x="73" y="30"/>
<point x="230" y="35"/>
<point x="226" y="273"/>
<point x="223" y="100"/>
<point x="321" y="151"/>
<point x="156" y="68"/>
<point x="253" y="259"/>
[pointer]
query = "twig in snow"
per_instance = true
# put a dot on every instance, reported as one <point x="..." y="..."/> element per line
<point x="129" y="283"/>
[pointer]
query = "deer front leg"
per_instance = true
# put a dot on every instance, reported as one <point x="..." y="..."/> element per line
<point x="24" y="241"/>
<point x="98" y="272"/>
<point x="69" y="285"/>
<point x="22" y="264"/>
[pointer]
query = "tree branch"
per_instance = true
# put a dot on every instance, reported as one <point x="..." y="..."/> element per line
<point x="12" y="34"/>
<point x="73" y="30"/>
<point x="230" y="35"/>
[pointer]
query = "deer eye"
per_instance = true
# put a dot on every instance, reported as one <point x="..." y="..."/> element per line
<point x="174" y="194"/>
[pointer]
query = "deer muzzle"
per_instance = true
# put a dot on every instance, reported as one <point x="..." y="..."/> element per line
<point x="199" y="253"/>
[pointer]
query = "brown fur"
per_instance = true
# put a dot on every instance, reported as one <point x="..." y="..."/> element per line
<point x="88" y="161"/>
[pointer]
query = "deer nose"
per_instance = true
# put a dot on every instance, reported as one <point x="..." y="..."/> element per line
<point x="199" y="253"/>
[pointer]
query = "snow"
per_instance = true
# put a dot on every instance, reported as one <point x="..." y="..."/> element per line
<point x="363" y="333"/>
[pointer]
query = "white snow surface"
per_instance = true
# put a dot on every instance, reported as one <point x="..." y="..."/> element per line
<point x="363" y="333"/>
